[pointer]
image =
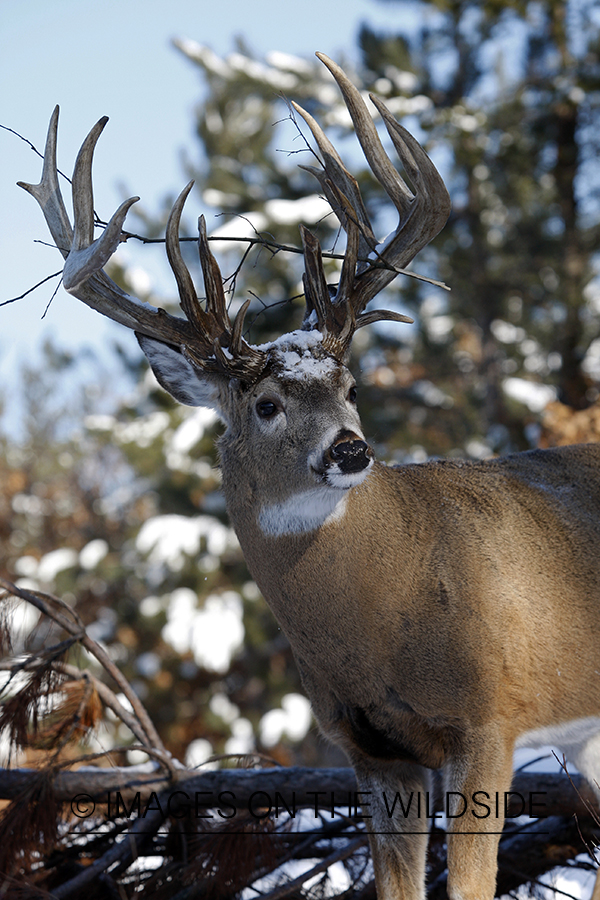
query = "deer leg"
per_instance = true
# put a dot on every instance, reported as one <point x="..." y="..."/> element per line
<point x="394" y="797"/>
<point x="475" y="828"/>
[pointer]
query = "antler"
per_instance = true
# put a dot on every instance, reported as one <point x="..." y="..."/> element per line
<point x="206" y="336"/>
<point x="421" y="214"/>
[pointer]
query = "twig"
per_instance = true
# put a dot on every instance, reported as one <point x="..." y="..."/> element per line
<point x="107" y="696"/>
<point x="54" y="293"/>
<point x="31" y="289"/>
<point x="44" y="603"/>
<point x="275" y="247"/>
<point x="590" y="809"/>
<point x="291" y="886"/>
<point x="32" y="147"/>
<point x="122" y="852"/>
<point x="536" y="881"/>
<point x="294" y="852"/>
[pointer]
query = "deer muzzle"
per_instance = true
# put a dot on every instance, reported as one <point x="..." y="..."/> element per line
<point x="350" y="453"/>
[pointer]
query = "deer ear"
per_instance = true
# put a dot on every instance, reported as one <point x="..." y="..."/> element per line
<point x="179" y="378"/>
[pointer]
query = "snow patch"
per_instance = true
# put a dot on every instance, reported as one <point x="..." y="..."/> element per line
<point x="290" y="63"/>
<point x="92" y="554"/>
<point x="295" y="352"/>
<point x="408" y="106"/>
<point x="192" y="429"/>
<point x="283" y="81"/>
<point x="533" y="395"/>
<point x="204" y="55"/>
<point x="246" y="226"/>
<point x="293" y="719"/>
<point x="143" y="431"/>
<point x="307" y="210"/>
<point x="212" y="634"/>
<point x="171" y="538"/>
<point x="197" y="753"/>
<point x="221" y="706"/>
<point x="591" y="361"/>
<point x="242" y="737"/>
<point x="184" y="439"/>
<point x="292" y="212"/>
<point x="300" y="341"/>
<point x="54" y="562"/>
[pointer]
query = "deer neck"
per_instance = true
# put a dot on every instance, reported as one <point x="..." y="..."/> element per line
<point x="318" y="585"/>
<point x="304" y="563"/>
<point x="293" y="520"/>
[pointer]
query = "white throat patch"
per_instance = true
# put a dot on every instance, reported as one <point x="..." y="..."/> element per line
<point x="303" y="512"/>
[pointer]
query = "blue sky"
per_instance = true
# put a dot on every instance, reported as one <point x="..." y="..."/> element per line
<point x="115" y="58"/>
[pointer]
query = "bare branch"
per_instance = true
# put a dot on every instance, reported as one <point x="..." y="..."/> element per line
<point x="292" y="886"/>
<point x="32" y="289"/>
<point x="64" y="615"/>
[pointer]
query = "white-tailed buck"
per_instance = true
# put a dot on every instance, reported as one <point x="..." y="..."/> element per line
<point x="440" y="614"/>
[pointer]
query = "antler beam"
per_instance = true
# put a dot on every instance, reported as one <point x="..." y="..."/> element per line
<point x="206" y="337"/>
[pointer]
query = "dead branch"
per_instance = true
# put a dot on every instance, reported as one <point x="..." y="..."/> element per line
<point x="553" y="794"/>
<point x="292" y="886"/>
<point x="68" y="619"/>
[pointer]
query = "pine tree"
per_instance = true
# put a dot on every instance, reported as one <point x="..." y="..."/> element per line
<point x="514" y="107"/>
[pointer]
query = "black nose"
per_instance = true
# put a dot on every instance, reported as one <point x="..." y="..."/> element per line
<point x="351" y="456"/>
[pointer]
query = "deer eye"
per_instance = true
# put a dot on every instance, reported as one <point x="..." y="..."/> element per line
<point x="266" y="409"/>
<point x="352" y="393"/>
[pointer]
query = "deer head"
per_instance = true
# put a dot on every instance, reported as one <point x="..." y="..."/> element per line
<point x="204" y="359"/>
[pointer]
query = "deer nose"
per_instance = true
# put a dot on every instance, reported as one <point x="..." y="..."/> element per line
<point x="351" y="453"/>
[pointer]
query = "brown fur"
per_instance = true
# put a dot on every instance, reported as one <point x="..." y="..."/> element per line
<point x="454" y="577"/>
<point x="455" y="606"/>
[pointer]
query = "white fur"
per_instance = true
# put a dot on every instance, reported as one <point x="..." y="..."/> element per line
<point x="578" y="739"/>
<point x="177" y="375"/>
<point x="303" y="512"/>
<point x="344" y="480"/>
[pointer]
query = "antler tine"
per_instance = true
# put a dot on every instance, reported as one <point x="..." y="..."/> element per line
<point x="214" y="344"/>
<point x="216" y="304"/>
<point x="212" y="325"/>
<point x="187" y="292"/>
<point x="315" y="285"/>
<point x="368" y="137"/>
<point x="422" y="172"/>
<point x="47" y="192"/>
<point x="236" y="344"/>
<point x="83" y="191"/>
<point x="88" y="256"/>
<point x="98" y="291"/>
<point x="336" y="178"/>
<point x="353" y="246"/>
<point x="422" y="214"/>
